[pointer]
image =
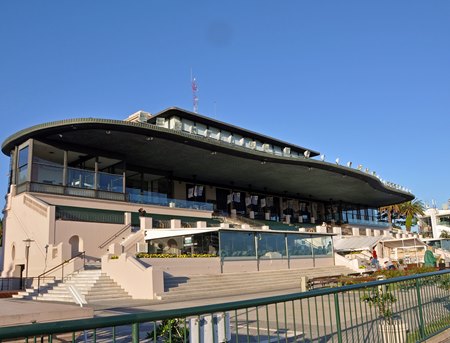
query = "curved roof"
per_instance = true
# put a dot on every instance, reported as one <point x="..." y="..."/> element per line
<point x="195" y="117"/>
<point x="185" y="155"/>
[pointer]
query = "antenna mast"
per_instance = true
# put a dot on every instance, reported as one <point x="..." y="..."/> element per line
<point x="194" y="93"/>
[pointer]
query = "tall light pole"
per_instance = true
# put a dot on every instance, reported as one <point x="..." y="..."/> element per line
<point x="27" y="255"/>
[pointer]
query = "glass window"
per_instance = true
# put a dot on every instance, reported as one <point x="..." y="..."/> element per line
<point x="237" y="245"/>
<point x="298" y="246"/>
<point x="23" y="157"/>
<point x="11" y="168"/>
<point x="322" y="245"/>
<point x="271" y="245"/>
<point x="22" y="165"/>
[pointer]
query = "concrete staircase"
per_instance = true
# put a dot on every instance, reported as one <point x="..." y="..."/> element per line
<point x="91" y="284"/>
<point x="211" y="286"/>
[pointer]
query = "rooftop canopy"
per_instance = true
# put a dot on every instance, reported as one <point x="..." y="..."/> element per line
<point x="183" y="156"/>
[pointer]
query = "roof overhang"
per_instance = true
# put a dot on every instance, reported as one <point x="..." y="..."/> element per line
<point x="166" y="233"/>
<point x="213" y="162"/>
<point x="404" y="243"/>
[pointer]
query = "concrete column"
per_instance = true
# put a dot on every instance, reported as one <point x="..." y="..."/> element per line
<point x="265" y="227"/>
<point x="355" y="231"/>
<point x="252" y="214"/>
<point x="337" y="230"/>
<point x="224" y="225"/>
<point x="233" y="213"/>
<point x="302" y="229"/>
<point x="175" y="224"/>
<point x="245" y="226"/>
<point x="368" y="232"/>
<point x="127" y="218"/>
<point x="146" y="223"/>
<point x="376" y="233"/>
<point x="201" y="224"/>
<point x="386" y="233"/>
<point x="321" y="229"/>
<point x="267" y="215"/>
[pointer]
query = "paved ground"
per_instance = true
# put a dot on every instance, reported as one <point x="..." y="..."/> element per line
<point x="307" y="321"/>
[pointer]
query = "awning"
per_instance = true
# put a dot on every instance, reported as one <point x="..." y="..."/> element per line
<point x="164" y="233"/>
<point x="404" y="243"/>
<point x="356" y="243"/>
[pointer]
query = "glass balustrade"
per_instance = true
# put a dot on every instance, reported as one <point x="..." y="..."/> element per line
<point x="80" y="178"/>
<point x="110" y="182"/>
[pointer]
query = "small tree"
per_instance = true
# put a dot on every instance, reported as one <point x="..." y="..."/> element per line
<point x="383" y="301"/>
<point x="170" y="330"/>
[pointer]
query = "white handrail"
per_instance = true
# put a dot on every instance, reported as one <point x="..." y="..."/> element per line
<point x="79" y="299"/>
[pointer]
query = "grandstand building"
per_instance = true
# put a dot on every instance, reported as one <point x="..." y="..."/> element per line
<point x="178" y="183"/>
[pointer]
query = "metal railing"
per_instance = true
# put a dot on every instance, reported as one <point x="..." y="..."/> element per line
<point x="114" y="236"/>
<point x="405" y="309"/>
<point x="60" y="266"/>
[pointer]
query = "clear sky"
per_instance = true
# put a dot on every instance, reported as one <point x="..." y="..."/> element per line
<point x="365" y="81"/>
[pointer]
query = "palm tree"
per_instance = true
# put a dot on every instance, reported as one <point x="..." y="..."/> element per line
<point x="411" y="209"/>
<point x="390" y="210"/>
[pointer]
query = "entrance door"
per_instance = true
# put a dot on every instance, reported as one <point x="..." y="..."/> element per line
<point x="74" y="242"/>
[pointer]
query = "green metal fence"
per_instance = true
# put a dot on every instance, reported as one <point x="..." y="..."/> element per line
<point x="406" y="309"/>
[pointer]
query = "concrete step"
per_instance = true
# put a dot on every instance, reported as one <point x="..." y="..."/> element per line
<point x="192" y="287"/>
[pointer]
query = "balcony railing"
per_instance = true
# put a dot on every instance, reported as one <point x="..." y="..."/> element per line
<point x="148" y="198"/>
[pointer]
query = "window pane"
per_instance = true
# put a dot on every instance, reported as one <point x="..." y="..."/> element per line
<point x="23" y="157"/>
<point x="237" y="245"/>
<point x="271" y="245"/>
<point x="298" y="245"/>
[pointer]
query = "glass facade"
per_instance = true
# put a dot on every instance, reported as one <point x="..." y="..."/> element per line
<point x="271" y="245"/>
<point x="237" y="245"/>
<point x="245" y="245"/>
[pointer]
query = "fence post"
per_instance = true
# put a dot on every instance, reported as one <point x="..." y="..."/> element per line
<point x="135" y="332"/>
<point x="419" y="305"/>
<point x="338" y="317"/>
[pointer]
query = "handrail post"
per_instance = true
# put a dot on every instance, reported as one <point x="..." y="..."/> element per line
<point x="84" y="259"/>
<point x="135" y="332"/>
<point x="62" y="272"/>
<point x="419" y="305"/>
<point x="338" y="317"/>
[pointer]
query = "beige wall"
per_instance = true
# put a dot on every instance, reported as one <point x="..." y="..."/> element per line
<point x="91" y="236"/>
<point x="27" y="218"/>
<point x="198" y="266"/>
<point x="139" y="281"/>
<point x="185" y="266"/>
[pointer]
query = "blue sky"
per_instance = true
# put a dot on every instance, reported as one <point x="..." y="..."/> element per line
<point x="368" y="82"/>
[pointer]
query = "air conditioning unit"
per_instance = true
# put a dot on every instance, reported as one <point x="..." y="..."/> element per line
<point x="307" y="153"/>
<point x="252" y="145"/>
<point x="287" y="151"/>
<point x="194" y="130"/>
<point x="160" y="122"/>
<point x="266" y="147"/>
